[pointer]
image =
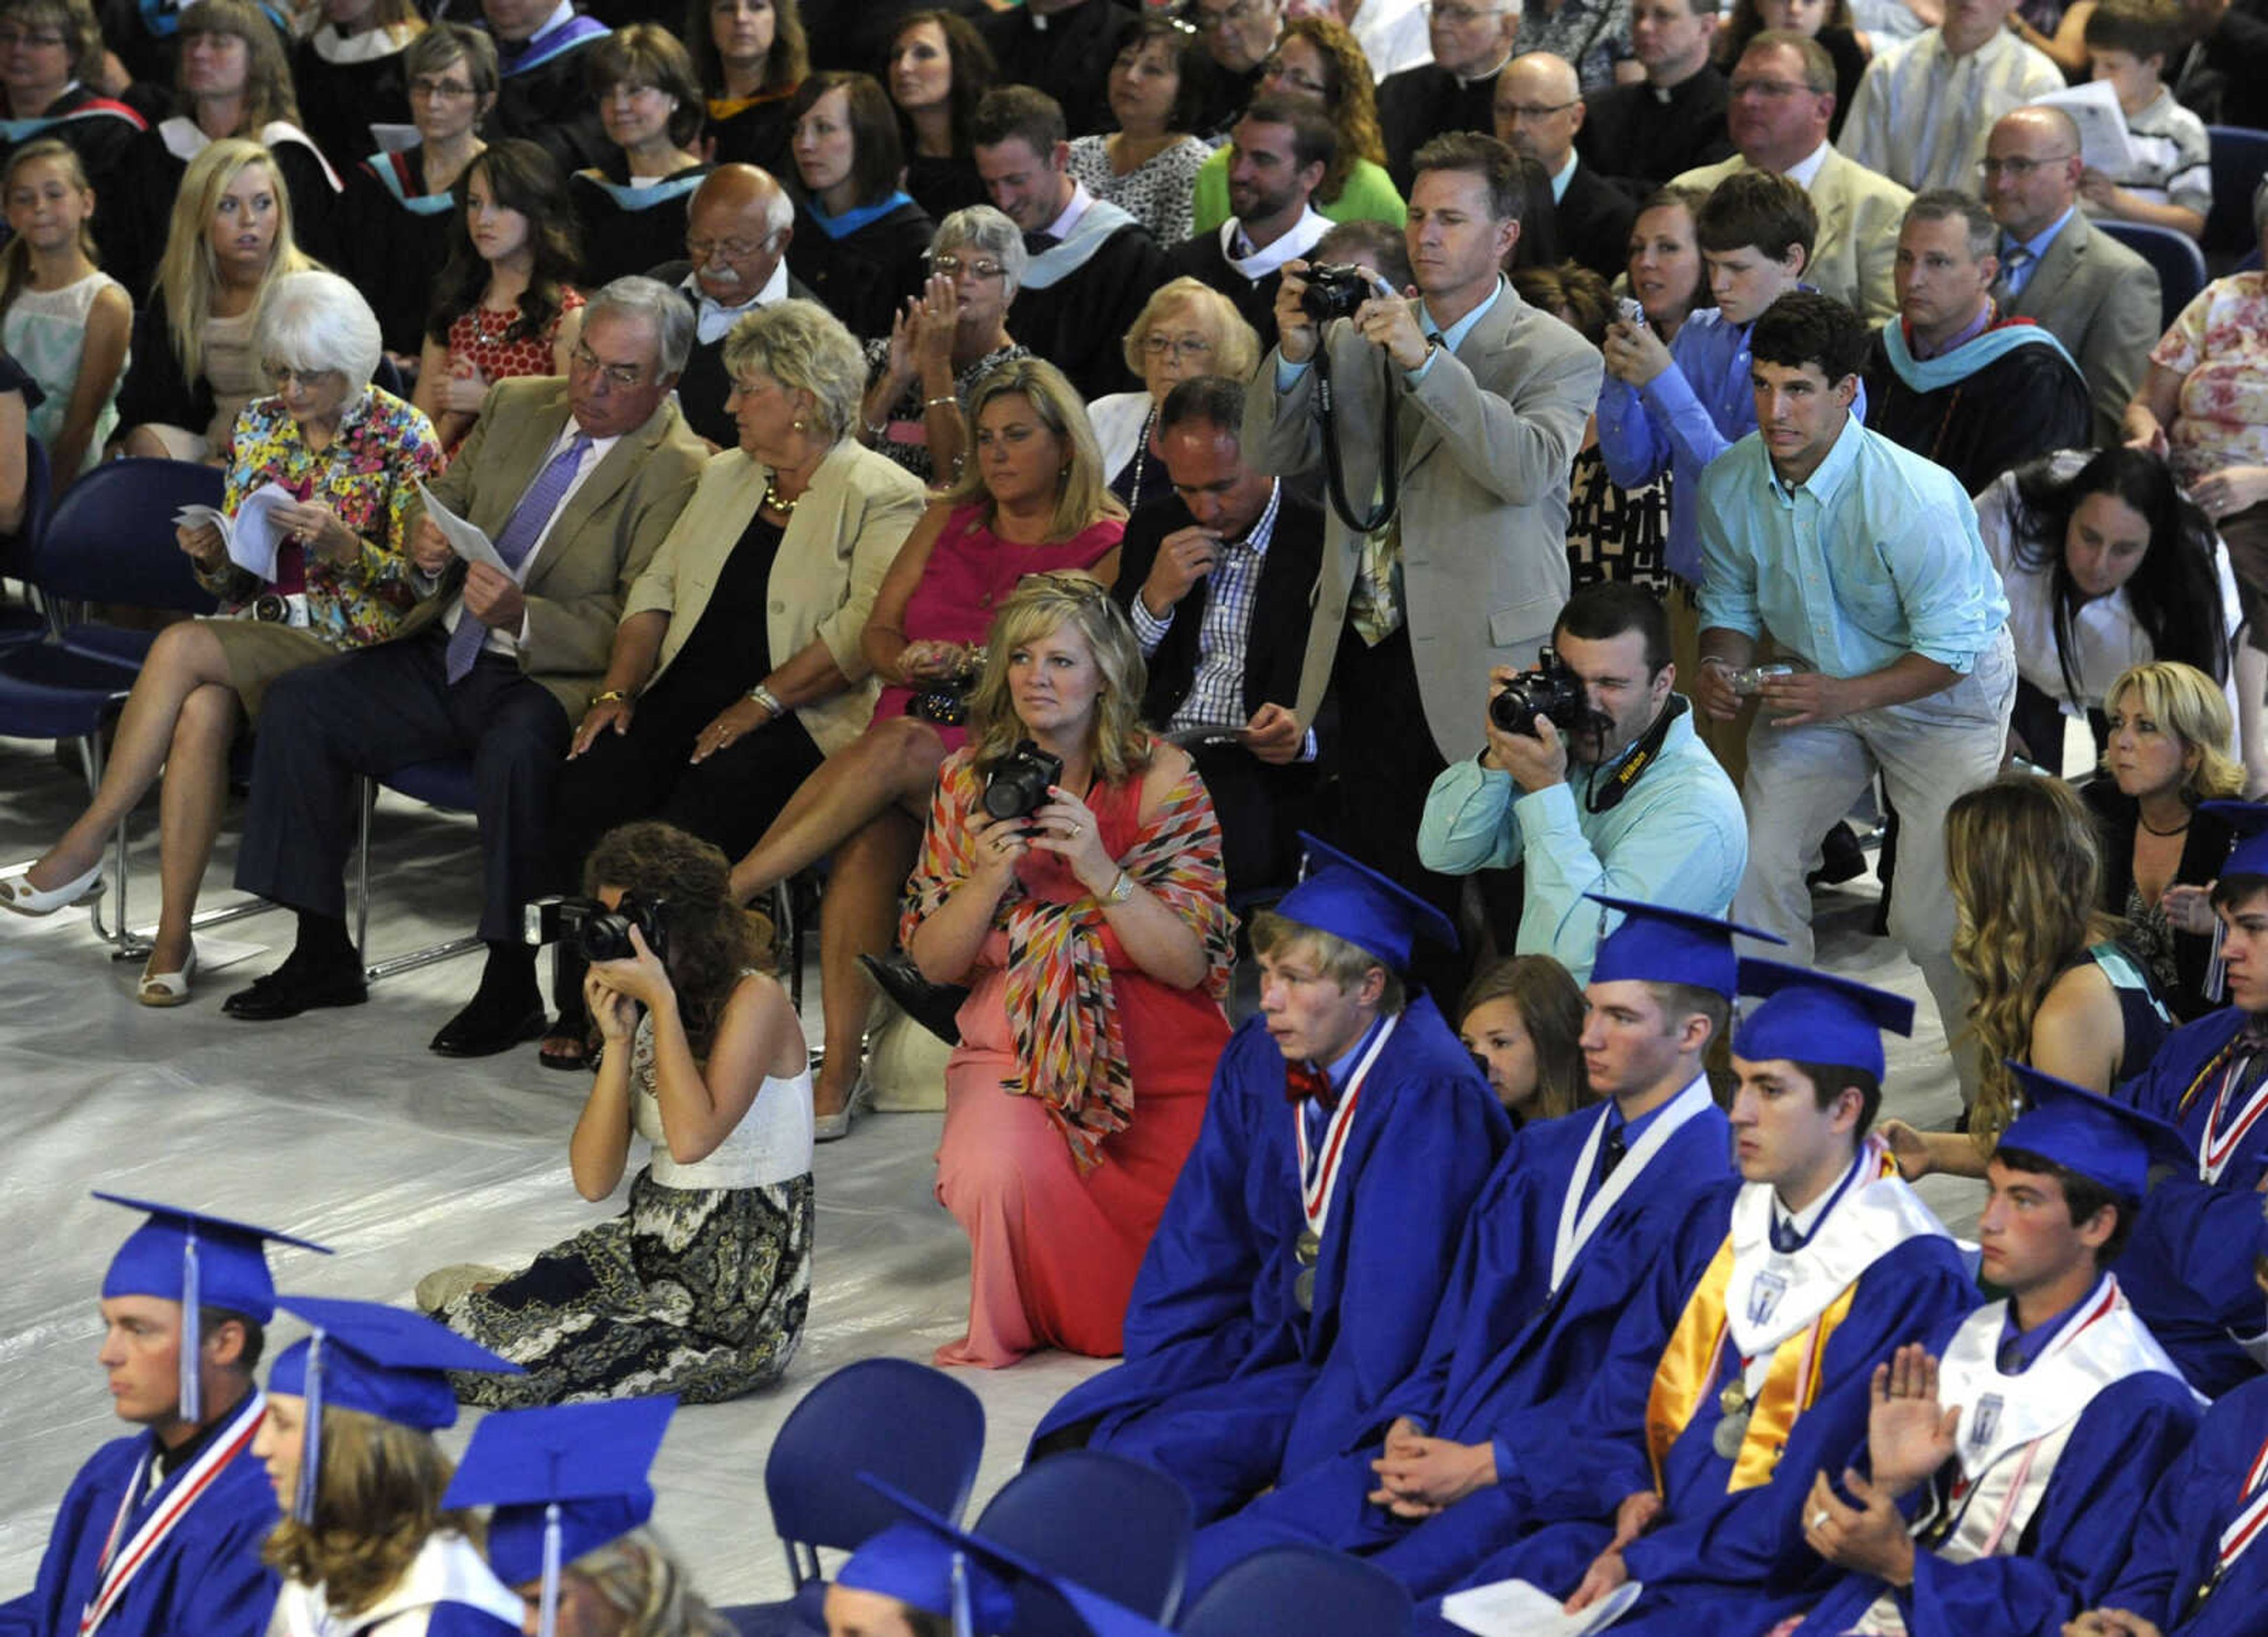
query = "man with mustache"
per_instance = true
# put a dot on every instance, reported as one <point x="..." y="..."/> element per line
<point x="738" y="224"/>
<point x="1627" y="802"/>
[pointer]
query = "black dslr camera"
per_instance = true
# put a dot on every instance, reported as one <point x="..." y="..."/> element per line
<point x="1018" y="784"/>
<point x="1551" y="690"/>
<point x="597" y="932"/>
<point x="1335" y="290"/>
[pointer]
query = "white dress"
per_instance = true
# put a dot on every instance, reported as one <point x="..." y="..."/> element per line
<point x="45" y="333"/>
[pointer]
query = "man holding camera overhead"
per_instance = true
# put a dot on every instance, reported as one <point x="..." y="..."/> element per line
<point x="1490" y="397"/>
<point x="1594" y="779"/>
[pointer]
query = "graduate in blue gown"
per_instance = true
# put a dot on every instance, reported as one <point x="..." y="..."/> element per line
<point x="1291" y="1281"/>
<point x="160" y="1534"/>
<point x="2188" y="1269"/>
<point x="2007" y="1457"/>
<point x="1571" y="1225"/>
<point x="1827" y="1263"/>
<point x="349" y="1440"/>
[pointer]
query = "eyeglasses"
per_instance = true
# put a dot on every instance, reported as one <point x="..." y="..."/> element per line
<point x="1775" y="90"/>
<point x="627" y="376"/>
<point x="1239" y="11"/>
<point x="448" y="90"/>
<point x="1530" y="110"/>
<point x="1182" y="347"/>
<point x="1458" y="15"/>
<point x="954" y="266"/>
<point x="39" y="40"/>
<point x="283" y="377"/>
<point x="700" y="250"/>
<point x="2017" y="168"/>
<point x="1274" y="69"/>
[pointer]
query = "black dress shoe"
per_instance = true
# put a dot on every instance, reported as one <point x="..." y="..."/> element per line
<point x="297" y="987"/>
<point x="486" y="1027"/>
<point x="935" y="1007"/>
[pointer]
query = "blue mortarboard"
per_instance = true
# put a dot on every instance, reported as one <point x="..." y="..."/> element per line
<point x="926" y="1563"/>
<point x="200" y="1261"/>
<point x="1657" y="944"/>
<point x="2250" y="820"/>
<point x="563" y="1481"/>
<point x="1349" y="899"/>
<point x="1816" y="1017"/>
<point x="382" y="1361"/>
<point x="2084" y="1131"/>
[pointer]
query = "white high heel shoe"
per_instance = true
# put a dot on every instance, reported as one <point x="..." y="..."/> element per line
<point x="18" y="893"/>
<point x="167" y="989"/>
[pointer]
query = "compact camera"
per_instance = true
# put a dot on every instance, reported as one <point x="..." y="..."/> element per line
<point x="1749" y="680"/>
<point x="600" y="933"/>
<point x="1551" y="690"/>
<point x="1335" y="290"/>
<point x="1017" y="785"/>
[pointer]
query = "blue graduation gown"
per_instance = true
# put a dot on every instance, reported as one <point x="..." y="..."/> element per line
<point x="1227" y="1383"/>
<point x="1717" y="1550"/>
<point x="1505" y="1357"/>
<point x="2188" y="1267"/>
<point x="2176" y="1538"/>
<point x="2070" y="1548"/>
<point x="204" y="1578"/>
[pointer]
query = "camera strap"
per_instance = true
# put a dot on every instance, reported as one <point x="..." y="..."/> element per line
<point x="1640" y="758"/>
<point x="1390" y="474"/>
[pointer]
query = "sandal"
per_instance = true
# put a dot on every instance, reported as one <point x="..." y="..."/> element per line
<point x="167" y="989"/>
<point x="569" y="1054"/>
<point x="18" y="893"/>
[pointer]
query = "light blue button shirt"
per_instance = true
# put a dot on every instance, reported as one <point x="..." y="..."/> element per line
<point x="1875" y="556"/>
<point x="2014" y="277"/>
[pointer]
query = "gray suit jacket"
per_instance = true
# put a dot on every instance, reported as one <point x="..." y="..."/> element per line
<point x="1859" y="212"/>
<point x="601" y="541"/>
<point x="2099" y="300"/>
<point x="1483" y="510"/>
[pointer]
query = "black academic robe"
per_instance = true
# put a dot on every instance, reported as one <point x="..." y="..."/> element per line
<point x="704" y="383"/>
<point x="1639" y="137"/>
<point x="865" y="276"/>
<point x="339" y="101"/>
<point x="1200" y="257"/>
<point x="1067" y="55"/>
<point x="398" y="245"/>
<point x="1420" y="103"/>
<point x="102" y="133"/>
<point x="2026" y="403"/>
<point x="942" y="186"/>
<point x="551" y="106"/>
<point x="628" y="235"/>
<point x="1594" y="218"/>
<point x="757" y="134"/>
<point x="1080" y="323"/>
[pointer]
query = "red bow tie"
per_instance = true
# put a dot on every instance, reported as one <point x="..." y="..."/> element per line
<point x="1301" y="1081"/>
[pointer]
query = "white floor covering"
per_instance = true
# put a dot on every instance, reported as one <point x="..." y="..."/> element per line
<point x="342" y="1128"/>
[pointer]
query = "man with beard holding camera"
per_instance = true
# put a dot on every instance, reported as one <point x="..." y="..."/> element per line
<point x="1490" y="397"/>
<point x="1593" y="780"/>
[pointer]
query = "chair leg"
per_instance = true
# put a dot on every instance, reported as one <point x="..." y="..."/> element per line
<point x="366" y="799"/>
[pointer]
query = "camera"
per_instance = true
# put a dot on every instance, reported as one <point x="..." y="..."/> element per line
<point x="1749" y="680"/>
<point x="1018" y="784"/>
<point x="1550" y="690"/>
<point x="1335" y="290"/>
<point x="1631" y="313"/>
<point x="597" y="932"/>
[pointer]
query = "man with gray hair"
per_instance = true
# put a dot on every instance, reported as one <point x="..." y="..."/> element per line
<point x="1951" y="379"/>
<point x="738" y="224"/>
<point x="574" y="482"/>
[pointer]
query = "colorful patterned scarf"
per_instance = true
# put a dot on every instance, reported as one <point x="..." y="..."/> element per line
<point x="1061" y="1009"/>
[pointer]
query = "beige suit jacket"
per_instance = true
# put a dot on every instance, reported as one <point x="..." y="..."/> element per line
<point x="1859" y="212"/>
<point x="2099" y="300"/>
<point x="601" y="541"/>
<point x="839" y="542"/>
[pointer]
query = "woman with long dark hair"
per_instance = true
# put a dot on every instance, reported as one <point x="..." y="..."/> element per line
<point x="859" y="235"/>
<point x="939" y="69"/>
<point x="2107" y="565"/>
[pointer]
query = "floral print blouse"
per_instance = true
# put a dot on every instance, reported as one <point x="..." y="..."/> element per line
<point x="368" y="476"/>
<point x="2218" y="347"/>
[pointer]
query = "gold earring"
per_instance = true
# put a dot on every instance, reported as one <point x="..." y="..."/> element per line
<point x="797" y="424"/>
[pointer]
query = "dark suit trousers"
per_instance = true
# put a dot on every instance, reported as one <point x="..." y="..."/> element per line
<point x="385" y="708"/>
<point x="1261" y="809"/>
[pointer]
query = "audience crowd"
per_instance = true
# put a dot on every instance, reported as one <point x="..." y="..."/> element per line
<point x="1473" y="501"/>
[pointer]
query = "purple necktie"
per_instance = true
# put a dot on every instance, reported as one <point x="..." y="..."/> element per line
<point x="522" y="531"/>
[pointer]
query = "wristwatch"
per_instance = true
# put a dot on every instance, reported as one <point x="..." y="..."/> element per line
<point x="769" y="700"/>
<point x="1121" y="889"/>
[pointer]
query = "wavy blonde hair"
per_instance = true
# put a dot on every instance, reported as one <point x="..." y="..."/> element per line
<point x="187" y="278"/>
<point x="2023" y="856"/>
<point x="637" y="1577"/>
<point x="2190" y="706"/>
<point x="1235" y="344"/>
<point x="1084" y="495"/>
<point x="1042" y="605"/>
<point x="378" y="1500"/>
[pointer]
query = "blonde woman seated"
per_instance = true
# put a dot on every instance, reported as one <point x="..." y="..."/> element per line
<point x="343" y="580"/>
<point x="1031" y="499"/>
<point x="1089" y="917"/>
<point x="2052" y="985"/>
<point x="1185" y="330"/>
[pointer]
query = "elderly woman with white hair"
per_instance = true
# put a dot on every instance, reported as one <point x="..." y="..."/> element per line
<point x="948" y="338"/>
<point x="737" y="667"/>
<point x="352" y="455"/>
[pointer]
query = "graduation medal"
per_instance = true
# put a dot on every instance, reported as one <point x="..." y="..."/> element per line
<point x="1307" y="1247"/>
<point x="122" y="1557"/>
<point x="1732" y="1431"/>
<point x="1319" y="1173"/>
<point x="2242" y="1531"/>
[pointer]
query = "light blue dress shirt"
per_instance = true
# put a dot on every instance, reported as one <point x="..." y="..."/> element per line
<point x="1875" y="556"/>
<point x="2015" y="275"/>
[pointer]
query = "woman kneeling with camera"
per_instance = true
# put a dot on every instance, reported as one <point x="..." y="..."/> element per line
<point x="700" y="1287"/>
<point x="1070" y="874"/>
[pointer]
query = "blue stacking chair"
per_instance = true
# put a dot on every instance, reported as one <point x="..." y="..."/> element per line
<point x="2179" y="263"/>
<point x="1304" y="1590"/>
<point x="1046" y="1514"/>
<point x="446" y="783"/>
<point x="2240" y="157"/>
<point x="914" y="1427"/>
<point x="27" y="624"/>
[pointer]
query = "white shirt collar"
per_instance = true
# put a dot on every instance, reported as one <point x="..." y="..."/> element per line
<point x="1804" y="171"/>
<point x="714" y="320"/>
<point x="1295" y="240"/>
<point x="1079" y="200"/>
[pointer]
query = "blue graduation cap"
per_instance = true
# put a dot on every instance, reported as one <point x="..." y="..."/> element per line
<point x="1349" y="899"/>
<point x="2107" y="1141"/>
<point x="382" y="1361"/>
<point x="928" y="1563"/>
<point x="199" y="1260"/>
<point x="1658" y="944"/>
<point x="2250" y="820"/>
<point x="1816" y="1017"/>
<point x="563" y="1480"/>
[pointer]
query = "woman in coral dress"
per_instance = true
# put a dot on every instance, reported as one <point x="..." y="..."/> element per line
<point x="1093" y="929"/>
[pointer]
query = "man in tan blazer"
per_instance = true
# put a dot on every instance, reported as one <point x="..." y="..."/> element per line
<point x="1783" y="92"/>
<point x="575" y="482"/>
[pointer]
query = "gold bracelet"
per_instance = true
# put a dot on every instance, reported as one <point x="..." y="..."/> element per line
<point x="612" y="696"/>
<point x="929" y="404"/>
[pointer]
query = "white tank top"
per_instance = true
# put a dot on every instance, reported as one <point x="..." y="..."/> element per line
<point x="771" y="1144"/>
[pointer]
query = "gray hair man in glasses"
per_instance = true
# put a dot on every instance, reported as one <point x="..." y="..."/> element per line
<point x="574" y="482"/>
<point x="738" y="224"/>
<point x="1456" y="90"/>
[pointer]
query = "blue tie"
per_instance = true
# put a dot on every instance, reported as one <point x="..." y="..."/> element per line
<point x="522" y="531"/>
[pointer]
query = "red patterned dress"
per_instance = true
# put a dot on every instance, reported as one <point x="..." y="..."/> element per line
<point x="477" y="338"/>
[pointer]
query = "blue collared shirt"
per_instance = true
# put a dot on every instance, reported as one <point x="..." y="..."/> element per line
<point x="1875" y="556"/>
<point x="1313" y="1114"/>
<point x="2014" y="278"/>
